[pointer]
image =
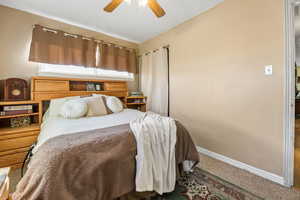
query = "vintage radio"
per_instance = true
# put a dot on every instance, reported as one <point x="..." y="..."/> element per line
<point x="14" y="89"/>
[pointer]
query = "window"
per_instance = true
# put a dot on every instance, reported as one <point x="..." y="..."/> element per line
<point x="49" y="69"/>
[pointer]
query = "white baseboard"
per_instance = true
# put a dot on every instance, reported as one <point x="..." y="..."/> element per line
<point x="259" y="172"/>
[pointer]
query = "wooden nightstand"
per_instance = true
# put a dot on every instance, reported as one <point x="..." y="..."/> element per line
<point x="136" y="102"/>
<point x="15" y="142"/>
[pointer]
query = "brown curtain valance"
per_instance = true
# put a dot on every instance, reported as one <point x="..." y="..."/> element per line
<point x="80" y="52"/>
<point x="56" y="47"/>
<point x="116" y="58"/>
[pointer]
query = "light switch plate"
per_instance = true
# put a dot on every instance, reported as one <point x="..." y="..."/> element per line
<point x="268" y="70"/>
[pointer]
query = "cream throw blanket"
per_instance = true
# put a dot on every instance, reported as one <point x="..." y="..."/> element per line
<point x="4" y="183"/>
<point x="156" y="163"/>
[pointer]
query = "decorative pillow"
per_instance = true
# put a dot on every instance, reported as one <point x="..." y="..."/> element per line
<point x="104" y="100"/>
<point x="96" y="106"/>
<point x="74" y="109"/>
<point x="56" y="105"/>
<point x="114" y="104"/>
<point x="107" y="108"/>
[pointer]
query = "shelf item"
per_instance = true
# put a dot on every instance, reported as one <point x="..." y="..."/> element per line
<point x="14" y="89"/>
<point x="136" y="102"/>
<point x="136" y="93"/>
<point x="15" y="142"/>
<point x="15" y="112"/>
<point x="17" y="107"/>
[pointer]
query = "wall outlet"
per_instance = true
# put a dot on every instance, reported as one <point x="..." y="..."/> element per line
<point x="268" y="70"/>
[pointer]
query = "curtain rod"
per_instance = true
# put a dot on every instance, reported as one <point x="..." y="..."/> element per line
<point x="83" y="37"/>
<point x="155" y="50"/>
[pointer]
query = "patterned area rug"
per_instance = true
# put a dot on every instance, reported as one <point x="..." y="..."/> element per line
<point x="201" y="185"/>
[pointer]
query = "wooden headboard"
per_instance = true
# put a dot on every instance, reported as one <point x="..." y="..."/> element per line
<point x="47" y="88"/>
<point x="43" y="89"/>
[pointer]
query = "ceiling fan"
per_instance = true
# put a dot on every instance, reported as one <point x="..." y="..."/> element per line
<point x="152" y="4"/>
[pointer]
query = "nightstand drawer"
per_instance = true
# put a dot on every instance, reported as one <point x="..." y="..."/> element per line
<point x="13" y="159"/>
<point x="15" y="143"/>
<point x="18" y="135"/>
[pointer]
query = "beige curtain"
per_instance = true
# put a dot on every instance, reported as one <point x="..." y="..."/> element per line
<point x="55" y="47"/>
<point x="154" y="80"/>
<point x="117" y="58"/>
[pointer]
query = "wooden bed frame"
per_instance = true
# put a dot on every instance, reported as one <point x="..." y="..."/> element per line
<point x="47" y="88"/>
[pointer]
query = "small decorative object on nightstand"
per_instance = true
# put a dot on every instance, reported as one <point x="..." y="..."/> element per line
<point x="4" y="183"/>
<point x="13" y="89"/>
<point x="136" y="102"/>
<point x="19" y="128"/>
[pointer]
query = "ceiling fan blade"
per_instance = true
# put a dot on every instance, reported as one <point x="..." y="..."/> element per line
<point x="156" y="8"/>
<point x="113" y="5"/>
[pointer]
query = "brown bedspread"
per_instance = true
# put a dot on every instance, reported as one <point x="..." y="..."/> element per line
<point x="92" y="165"/>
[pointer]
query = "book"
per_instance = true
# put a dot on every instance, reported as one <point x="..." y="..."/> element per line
<point x="16" y="112"/>
<point x="134" y="94"/>
<point x="21" y="107"/>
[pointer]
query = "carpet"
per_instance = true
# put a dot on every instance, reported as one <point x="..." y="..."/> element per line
<point x="201" y="185"/>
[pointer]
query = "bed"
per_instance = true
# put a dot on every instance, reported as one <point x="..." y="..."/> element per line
<point x="90" y="158"/>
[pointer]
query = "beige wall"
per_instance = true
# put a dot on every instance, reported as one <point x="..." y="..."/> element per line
<point x="218" y="87"/>
<point x="15" y="37"/>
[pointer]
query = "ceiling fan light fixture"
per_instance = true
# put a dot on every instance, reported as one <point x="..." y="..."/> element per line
<point x="143" y="3"/>
<point x="128" y="1"/>
<point x="152" y="4"/>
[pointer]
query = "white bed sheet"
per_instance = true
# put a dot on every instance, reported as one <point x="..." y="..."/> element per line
<point x="56" y="126"/>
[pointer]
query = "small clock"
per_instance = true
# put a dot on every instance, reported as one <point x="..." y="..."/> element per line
<point x="14" y="89"/>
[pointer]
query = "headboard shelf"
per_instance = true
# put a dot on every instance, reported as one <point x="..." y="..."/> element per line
<point x="47" y="88"/>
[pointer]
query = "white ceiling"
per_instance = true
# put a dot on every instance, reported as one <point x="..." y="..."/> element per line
<point x="129" y="22"/>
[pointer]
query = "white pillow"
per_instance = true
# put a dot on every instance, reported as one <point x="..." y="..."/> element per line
<point x="114" y="104"/>
<point x="56" y="105"/>
<point x="46" y="116"/>
<point x="74" y="109"/>
<point x="98" y="95"/>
